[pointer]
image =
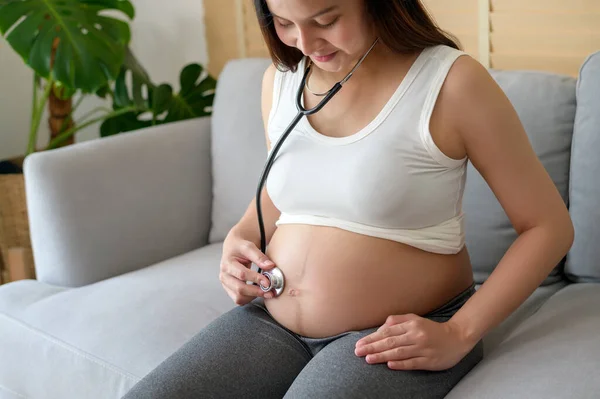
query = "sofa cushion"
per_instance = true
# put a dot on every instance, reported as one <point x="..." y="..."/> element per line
<point x="553" y="354"/>
<point x="545" y="103"/>
<point x="97" y="341"/>
<point x="494" y="338"/>
<point x="583" y="261"/>
<point x="239" y="149"/>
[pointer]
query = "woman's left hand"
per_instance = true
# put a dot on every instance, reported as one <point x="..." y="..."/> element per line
<point x="411" y="342"/>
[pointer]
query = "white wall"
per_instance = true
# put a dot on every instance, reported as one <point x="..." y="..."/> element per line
<point x="166" y="36"/>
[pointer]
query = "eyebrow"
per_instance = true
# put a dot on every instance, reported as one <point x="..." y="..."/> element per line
<point x="325" y="11"/>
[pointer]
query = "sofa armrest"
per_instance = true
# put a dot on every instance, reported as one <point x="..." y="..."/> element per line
<point x="109" y="206"/>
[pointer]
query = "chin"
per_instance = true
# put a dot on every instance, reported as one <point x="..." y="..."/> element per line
<point x="337" y="64"/>
<point x="330" y="68"/>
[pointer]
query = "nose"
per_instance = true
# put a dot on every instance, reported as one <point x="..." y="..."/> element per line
<point x="306" y="41"/>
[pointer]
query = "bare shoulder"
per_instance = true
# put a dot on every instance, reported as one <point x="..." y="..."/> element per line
<point x="466" y="83"/>
<point x="464" y="67"/>
<point x="269" y="77"/>
<point x="470" y="87"/>
<point x="476" y="105"/>
<point x="267" y="97"/>
<point x="267" y="90"/>
<point x="468" y="76"/>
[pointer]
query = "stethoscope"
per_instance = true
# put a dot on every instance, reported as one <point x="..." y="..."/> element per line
<point x="275" y="275"/>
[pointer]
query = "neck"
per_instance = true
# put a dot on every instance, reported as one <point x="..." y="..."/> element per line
<point x="376" y="62"/>
<point x="379" y="56"/>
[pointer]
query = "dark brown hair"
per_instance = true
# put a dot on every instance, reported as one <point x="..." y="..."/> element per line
<point x="402" y="25"/>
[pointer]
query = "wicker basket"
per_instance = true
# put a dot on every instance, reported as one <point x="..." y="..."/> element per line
<point x="14" y="225"/>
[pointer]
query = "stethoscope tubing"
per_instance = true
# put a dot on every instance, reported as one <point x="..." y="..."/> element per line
<point x="267" y="168"/>
<point x="302" y="111"/>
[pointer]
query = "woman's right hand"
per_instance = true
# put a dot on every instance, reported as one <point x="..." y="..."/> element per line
<point x="236" y="261"/>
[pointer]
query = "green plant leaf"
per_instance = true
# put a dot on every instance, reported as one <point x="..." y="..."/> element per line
<point x="140" y="79"/>
<point x="194" y="99"/>
<point x="91" y="46"/>
<point x="103" y="91"/>
<point x="163" y="95"/>
<point x="196" y="95"/>
<point x="124" y="97"/>
<point x="123" y="123"/>
<point x="121" y="94"/>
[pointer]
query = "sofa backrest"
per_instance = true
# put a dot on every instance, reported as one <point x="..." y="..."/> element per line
<point x="545" y="102"/>
<point x="583" y="262"/>
<point x="239" y="149"/>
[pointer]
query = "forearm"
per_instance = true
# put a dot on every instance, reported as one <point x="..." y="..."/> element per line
<point x="523" y="268"/>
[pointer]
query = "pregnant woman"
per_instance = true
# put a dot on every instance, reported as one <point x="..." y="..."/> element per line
<point x="363" y="215"/>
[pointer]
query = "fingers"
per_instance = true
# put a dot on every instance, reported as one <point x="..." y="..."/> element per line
<point x="240" y="286"/>
<point x="414" y="344"/>
<point x="393" y="339"/>
<point x="251" y="252"/>
<point x="396" y="348"/>
<point x="393" y="354"/>
<point x="236" y="271"/>
<point x="382" y="333"/>
<point x="416" y="363"/>
<point x="238" y="300"/>
<point x="240" y="291"/>
<point x="243" y="273"/>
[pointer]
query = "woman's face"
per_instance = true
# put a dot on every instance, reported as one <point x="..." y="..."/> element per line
<point x="333" y="33"/>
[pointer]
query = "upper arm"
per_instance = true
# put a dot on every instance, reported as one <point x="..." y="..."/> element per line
<point x="497" y="145"/>
<point x="267" y="99"/>
<point x="270" y="211"/>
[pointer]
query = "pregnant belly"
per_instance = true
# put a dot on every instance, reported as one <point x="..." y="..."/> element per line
<point x="338" y="281"/>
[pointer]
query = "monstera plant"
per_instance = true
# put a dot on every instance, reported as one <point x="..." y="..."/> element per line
<point x="134" y="109"/>
<point x="78" y="49"/>
<point x="75" y="50"/>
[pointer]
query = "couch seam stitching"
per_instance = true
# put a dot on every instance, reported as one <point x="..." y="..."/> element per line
<point x="75" y="351"/>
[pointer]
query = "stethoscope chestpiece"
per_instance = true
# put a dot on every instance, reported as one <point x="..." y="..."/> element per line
<point x="276" y="280"/>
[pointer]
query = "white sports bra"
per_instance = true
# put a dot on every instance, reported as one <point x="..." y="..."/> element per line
<point x="388" y="180"/>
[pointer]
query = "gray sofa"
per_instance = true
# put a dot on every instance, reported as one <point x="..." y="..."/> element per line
<point x="127" y="235"/>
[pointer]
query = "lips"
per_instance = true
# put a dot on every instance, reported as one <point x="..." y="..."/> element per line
<point x="324" y="58"/>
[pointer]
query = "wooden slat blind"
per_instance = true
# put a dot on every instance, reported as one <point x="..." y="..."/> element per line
<point x="460" y="18"/>
<point x="547" y="35"/>
<point x="255" y="42"/>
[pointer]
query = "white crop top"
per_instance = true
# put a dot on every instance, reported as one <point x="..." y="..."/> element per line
<point x="389" y="180"/>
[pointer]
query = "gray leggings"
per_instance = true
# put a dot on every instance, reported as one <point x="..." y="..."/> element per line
<point x="246" y="354"/>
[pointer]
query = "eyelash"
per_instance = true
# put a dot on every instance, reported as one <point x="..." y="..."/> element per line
<point x="329" y="25"/>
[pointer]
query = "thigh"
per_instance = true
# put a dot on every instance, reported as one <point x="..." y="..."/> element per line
<point x="336" y="372"/>
<point x="242" y="354"/>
